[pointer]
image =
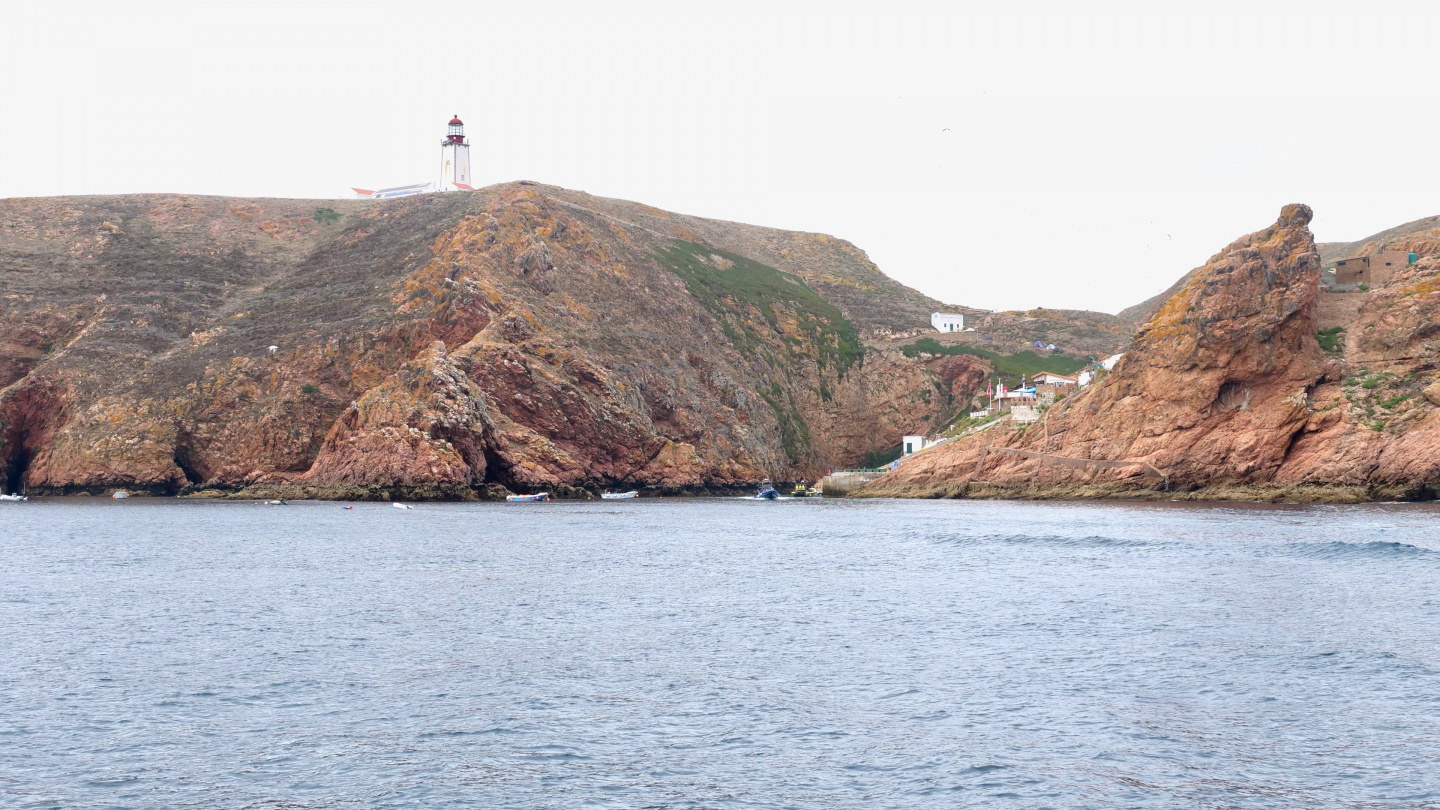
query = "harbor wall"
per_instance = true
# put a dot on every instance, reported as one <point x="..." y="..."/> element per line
<point x="840" y="484"/>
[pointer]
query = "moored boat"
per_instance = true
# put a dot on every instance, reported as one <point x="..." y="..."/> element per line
<point x="539" y="496"/>
<point x="120" y="495"/>
<point x="619" y="496"/>
<point x="16" y="497"/>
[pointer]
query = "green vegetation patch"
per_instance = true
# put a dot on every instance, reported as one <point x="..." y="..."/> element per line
<point x="1383" y="400"/>
<point x="963" y="421"/>
<point x="327" y="214"/>
<point x="734" y="295"/>
<point x="881" y="458"/>
<point x="1331" y="340"/>
<point x="794" y="433"/>
<point x="1008" y="366"/>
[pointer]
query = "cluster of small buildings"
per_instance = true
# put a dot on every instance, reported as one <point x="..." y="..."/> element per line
<point x="1024" y="404"/>
<point x="1042" y="390"/>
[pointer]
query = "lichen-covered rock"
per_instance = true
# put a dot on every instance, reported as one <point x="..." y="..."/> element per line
<point x="428" y="425"/>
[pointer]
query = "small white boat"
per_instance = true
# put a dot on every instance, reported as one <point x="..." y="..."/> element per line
<point x="120" y="495"/>
<point x="276" y="502"/>
<point x="402" y="506"/>
<point x="539" y="496"/>
<point x="619" y="496"/>
<point x="4" y="497"/>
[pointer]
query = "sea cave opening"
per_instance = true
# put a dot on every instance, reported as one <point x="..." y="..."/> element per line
<point x="15" y="467"/>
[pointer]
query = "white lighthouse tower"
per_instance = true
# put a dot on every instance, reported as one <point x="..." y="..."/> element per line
<point x="455" y="159"/>
<point x="454" y="169"/>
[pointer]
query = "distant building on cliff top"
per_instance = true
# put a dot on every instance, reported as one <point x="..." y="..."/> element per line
<point x="1377" y="268"/>
<point x="948" y="322"/>
<point x="454" y="168"/>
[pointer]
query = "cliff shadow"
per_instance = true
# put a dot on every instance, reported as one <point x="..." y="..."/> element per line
<point x="186" y="457"/>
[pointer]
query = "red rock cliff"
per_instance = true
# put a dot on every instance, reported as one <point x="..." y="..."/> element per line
<point x="523" y="335"/>
<point x="1213" y="390"/>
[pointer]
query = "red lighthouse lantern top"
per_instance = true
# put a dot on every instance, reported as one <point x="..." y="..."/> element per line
<point x="456" y="131"/>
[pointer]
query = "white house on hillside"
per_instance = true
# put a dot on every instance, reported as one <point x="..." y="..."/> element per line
<point x="948" y="322"/>
<point x="914" y="444"/>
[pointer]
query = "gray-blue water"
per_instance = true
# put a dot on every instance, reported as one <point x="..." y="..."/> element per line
<point x="718" y="653"/>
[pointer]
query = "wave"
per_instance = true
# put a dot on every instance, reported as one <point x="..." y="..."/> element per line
<point x="1373" y="549"/>
<point x="1088" y="541"/>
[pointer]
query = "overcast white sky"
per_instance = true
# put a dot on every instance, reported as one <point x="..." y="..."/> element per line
<point x="1000" y="155"/>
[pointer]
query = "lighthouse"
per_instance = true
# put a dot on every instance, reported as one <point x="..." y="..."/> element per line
<point x="454" y="169"/>
<point x="455" y="158"/>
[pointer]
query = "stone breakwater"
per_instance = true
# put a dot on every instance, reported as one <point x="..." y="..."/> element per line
<point x="840" y="484"/>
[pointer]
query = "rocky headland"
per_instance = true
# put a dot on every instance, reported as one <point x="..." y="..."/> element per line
<point x="521" y="337"/>
<point x="528" y="337"/>
<point x="1247" y="382"/>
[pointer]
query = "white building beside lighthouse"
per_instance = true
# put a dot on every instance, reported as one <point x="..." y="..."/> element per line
<point x="454" y="168"/>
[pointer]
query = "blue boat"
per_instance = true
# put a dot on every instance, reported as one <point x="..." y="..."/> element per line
<point x="539" y="496"/>
<point x="766" y="492"/>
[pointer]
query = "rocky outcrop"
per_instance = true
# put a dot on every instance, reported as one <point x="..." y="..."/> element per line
<point x="1214" y="390"/>
<point x="523" y="336"/>
<point x="427" y="425"/>
<point x="962" y="373"/>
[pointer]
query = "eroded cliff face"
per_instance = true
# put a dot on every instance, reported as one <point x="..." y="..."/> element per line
<point x="524" y="335"/>
<point x="1214" y="389"/>
<point x="1376" y="424"/>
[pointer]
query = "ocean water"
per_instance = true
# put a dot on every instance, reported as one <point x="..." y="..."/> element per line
<point x="718" y="653"/>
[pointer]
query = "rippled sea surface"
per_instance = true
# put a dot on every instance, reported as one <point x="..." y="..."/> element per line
<point x="718" y="653"/>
